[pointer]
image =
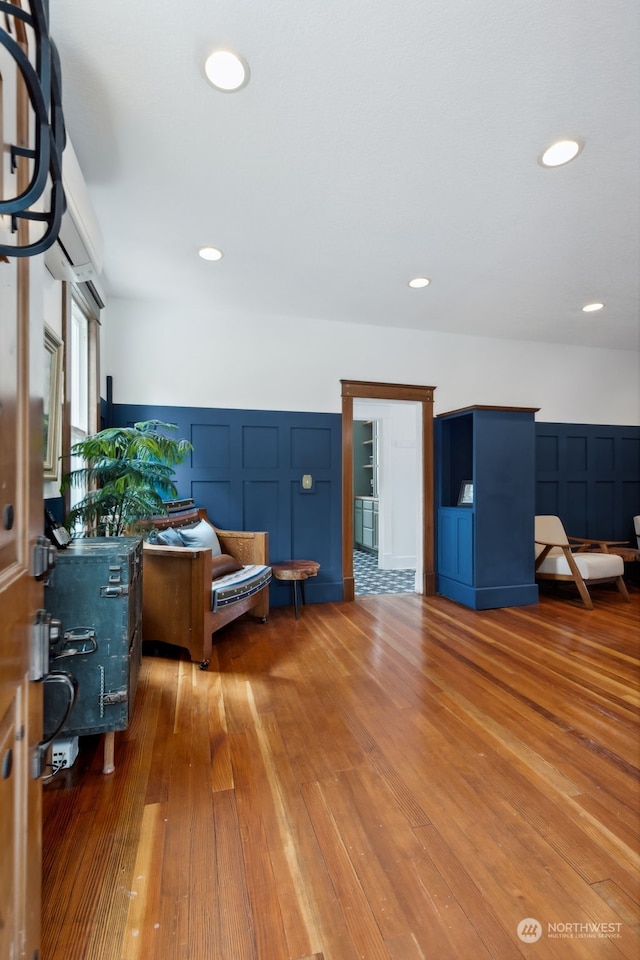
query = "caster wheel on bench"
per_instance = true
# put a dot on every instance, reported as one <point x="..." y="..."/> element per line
<point x="204" y="664"/>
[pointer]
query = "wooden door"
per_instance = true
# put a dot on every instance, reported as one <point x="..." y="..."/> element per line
<point x="21" y="364"/>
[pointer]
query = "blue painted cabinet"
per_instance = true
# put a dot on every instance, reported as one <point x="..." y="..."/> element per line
<point x="486" y="504"/>
<point x="365" y="524"/>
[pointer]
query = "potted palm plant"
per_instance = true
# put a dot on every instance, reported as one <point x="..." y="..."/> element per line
<point x="127" y="472"/>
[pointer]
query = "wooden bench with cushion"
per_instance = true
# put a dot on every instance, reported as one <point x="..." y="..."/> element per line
<point x="197" y="578"/>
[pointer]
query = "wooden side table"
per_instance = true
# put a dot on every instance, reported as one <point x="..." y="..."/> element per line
<point x="296" y="571"/>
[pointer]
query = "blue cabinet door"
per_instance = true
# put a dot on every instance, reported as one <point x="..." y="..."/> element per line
<point x="455" y="544"/>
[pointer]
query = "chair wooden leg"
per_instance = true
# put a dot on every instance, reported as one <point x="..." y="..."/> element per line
<point x="584" y="593"/>
<point x="577" y="578"/>
<point x="622" y="587"/>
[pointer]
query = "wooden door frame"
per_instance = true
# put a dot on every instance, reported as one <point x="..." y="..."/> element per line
<point x="371" y="390"/>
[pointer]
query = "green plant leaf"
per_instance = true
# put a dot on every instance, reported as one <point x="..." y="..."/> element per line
<point x="128" y="470"/>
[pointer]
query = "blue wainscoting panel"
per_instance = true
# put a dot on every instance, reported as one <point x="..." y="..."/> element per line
<point x="216" y="498"/>
<point x="310" y="448"/>
<point x="55" y="505"/>
<point x="589" y="475"/>
<point x="547" y="457"/>
<point x="629" y="454"/>
<point x="246" y="470"/>
<point x="261" y="504"/>
<point x="604" y="454"/>
<point x="310" y="521"/>
<point x="260" y="448"/>
<point x="576" y="454"/>
<point x="547" y="497"/>
<point x="211" y="446"/>
<point x="630" y="500"/>
<point x="577" y="505"/>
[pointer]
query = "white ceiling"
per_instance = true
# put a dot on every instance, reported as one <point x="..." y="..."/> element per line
<point x="377" y="140"/>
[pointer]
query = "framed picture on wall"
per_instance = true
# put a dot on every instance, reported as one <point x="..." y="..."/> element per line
<point x="465" y="497"/>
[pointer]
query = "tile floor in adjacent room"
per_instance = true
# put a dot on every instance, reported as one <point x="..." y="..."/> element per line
<point x="369" y="580"/>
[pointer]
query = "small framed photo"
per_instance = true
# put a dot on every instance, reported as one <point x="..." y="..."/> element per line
<point x="465" y="497"/>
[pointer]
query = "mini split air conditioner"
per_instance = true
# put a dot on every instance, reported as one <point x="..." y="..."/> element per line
<point x="77" y="254"/>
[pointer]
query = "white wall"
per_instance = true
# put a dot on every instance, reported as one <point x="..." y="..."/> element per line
<point x="157" y="355"/>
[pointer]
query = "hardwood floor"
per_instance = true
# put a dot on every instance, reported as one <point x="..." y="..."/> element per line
<point x="398" y="777"/>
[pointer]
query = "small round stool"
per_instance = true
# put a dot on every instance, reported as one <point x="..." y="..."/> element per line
<point x="296" y="571"/>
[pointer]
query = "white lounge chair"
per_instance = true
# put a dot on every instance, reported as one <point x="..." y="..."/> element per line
<point x="559" y="557"/>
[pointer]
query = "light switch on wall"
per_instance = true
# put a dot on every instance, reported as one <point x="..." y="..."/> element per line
<point x="307" y="481"/>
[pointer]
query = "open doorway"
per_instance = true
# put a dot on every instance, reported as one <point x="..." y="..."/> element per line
<point x="387" y="532"/>
<point x="361" y="390"/>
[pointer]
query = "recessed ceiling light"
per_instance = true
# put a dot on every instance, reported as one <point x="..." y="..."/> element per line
<point x="210" y="253"/>
<point x="418" y="282"/>
<point x="561" y="152"/>
<point x="226" y="71"/>
<point x="592" y="307"/>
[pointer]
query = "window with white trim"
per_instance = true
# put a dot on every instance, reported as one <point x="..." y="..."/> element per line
<point x="82" y="380"/>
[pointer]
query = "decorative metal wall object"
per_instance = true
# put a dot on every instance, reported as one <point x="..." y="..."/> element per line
<point x="42" y="80"/>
